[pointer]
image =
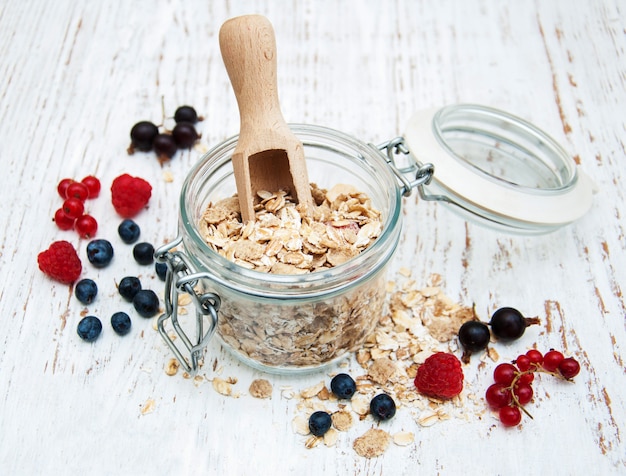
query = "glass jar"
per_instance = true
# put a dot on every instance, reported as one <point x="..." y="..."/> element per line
<point x="281" y="323"/>
<point x="490" y="165"/>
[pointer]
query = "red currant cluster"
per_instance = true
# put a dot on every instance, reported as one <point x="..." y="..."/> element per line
<point x="512" y="388"/>
<point x="72" y="214"/>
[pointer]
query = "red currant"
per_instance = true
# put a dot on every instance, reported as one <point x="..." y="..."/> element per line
<point x="510" y="416"/>
<point x="86" y="226"/>
<point x="523" y="363"/>
<point x="62" y="187"/>
<point x="62" y="220"/>
<point x="498" y="395"/>
<point x="526" y="378"/>
<point x="73" y="208"/>
<point x="569" y="367"/>
<point x="504" y="374"/>
<point x="523" y="392"/>
<point x="77" y="190"/>
<point x="535" y="356"/>
<point x="93" y="185"/>
<point x="551" y="360"/>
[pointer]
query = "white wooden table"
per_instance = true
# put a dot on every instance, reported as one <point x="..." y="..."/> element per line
<point x="76" y="75"/>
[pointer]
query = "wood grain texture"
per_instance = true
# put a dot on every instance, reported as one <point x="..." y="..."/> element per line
<point x="76" y="75"/>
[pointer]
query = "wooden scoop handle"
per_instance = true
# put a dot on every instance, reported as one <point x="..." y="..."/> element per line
<point x="268" y="155"/>
<point x="248" y="47"/>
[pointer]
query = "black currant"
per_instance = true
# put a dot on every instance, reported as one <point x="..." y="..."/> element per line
<point x="165" y="146"/>
<point x="186" y="114"/>
<point x="142" y="136"/>
<point x="474" y="336"/>
<point x="185" y="135"/>
<point x="509" y="324"/>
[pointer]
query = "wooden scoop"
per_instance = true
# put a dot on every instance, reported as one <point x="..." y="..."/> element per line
<point x="268" y="156"/>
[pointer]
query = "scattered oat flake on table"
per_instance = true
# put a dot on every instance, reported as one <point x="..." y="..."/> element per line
<point x="360" y="404"/>
<point x="373" y="443"/>
<point x="406" y="272"/>
<point x="403" y="438"/>
<point x="172" y="366"/>
<point x="330" y="437"/>
<point x="148" y="407"/>
<point x="287" y="392"/>
<point x="382" y="370"/>
<point x="222" y="386"/>
<point x="300" y="425"/>
<point x="431" y="416"/>
<point x="260" y="388"/>
<point x="312" y="442"/>
<point x="342" y="420"/>
<point x="312" y="391"/>
<point x="168" y="176"/>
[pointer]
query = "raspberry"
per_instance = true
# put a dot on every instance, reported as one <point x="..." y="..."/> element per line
<point x="440" y="376"/>
<point x="129" y="195"/>
<point x="60" y="262"/>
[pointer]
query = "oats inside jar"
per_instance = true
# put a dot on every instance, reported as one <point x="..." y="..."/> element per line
<point x="285" y="239"/>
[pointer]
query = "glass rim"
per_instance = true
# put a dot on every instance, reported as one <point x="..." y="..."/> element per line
<point x="521" y="129"/>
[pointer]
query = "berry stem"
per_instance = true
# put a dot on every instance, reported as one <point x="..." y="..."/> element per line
<point x="512" y="387"/>
<point x="534" y="369"/>
<point x="531" y="321"/>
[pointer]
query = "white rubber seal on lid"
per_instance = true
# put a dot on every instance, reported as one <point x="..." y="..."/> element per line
<point x="499" y="167"/>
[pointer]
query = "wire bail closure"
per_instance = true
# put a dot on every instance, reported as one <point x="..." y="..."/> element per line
<point x="423" y="173"/>
<point x="182" y="278"/>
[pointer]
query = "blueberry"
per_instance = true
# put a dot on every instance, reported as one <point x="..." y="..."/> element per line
<point x="146" y="303"/>
<point x="319" y="423"/>
<point x="129" y="287"/>
<point x="382" y="407"/>
<point x="129" y="231"/>
<point x="161" y="270"/>
<point x="89" y="328"/>
<point x="99" y="253"/>
<point x="120" y="321"/>
<point x="343" y="386"/>
<point x="86" y="291"/>
<point x="143" y="253"/>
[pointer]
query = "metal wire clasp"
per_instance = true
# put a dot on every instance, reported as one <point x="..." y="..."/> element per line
<point x="423" y="173"/>
<point x="182" y="278"/>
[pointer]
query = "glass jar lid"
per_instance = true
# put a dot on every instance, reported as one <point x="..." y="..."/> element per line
<point x="499" y="168"/>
